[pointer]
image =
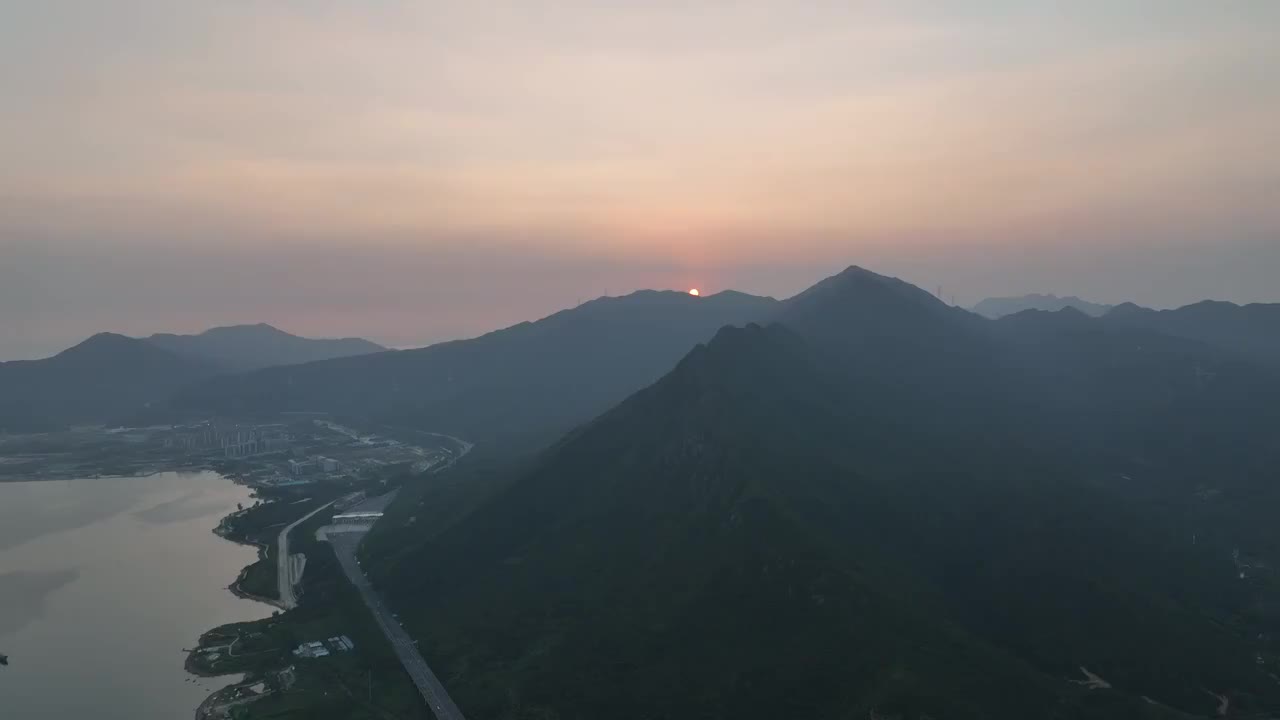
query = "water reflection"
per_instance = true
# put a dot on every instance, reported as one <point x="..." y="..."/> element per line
<point x="188" y="507"/>
<point x="23" y="594"/>
<point x="103" y="582"/>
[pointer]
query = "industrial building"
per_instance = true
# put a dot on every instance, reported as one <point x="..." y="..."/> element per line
<point x="301" y="467"/>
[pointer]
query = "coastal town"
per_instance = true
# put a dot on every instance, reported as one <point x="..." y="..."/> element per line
<point x="293" y="452"/>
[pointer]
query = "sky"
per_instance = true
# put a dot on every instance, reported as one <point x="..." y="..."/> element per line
<point x="414" y="171"/>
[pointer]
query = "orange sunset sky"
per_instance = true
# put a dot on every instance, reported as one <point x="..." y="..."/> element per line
<point x="417" y="171"/>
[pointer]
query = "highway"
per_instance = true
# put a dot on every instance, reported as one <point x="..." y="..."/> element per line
<point x="344" y="546"/>
<point x="289" y="572"/>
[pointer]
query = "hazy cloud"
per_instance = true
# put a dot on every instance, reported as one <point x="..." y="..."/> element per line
<point x="415" y="171"/>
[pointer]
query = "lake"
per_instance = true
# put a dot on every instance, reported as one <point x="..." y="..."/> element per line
<point x="103" y="582"/>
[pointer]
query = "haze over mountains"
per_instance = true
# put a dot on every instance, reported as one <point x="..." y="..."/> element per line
<point x="856" y="500"/>
<point x="876" y="504"/>
<point x="533" y="380"/>
<point x="760" y="482"/>
<point x="1252" y="330"/>
<point x="109" y="376"/>
<point x="528" y="383"/>
<point x="998" y="307"/>
<point x="101" y="379"/>
<point x="250" y="347"/>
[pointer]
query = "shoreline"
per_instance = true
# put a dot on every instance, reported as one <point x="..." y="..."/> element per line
<point x="111" y="476"/>
<point x="226" y="696"/>
<point x="222" y="696"/>
<point x="235" y="586"/>
<point x="243" y="594"/>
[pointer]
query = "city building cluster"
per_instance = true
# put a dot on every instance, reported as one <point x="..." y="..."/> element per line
<point x="234" y="441"/>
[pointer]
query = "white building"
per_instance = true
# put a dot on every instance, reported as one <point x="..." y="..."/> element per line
<point x="301" y="467"/>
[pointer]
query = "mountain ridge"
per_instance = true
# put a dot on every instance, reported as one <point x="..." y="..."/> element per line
<point x="785" y="484"/>
<point x="107" y="376"/>
<point x="994" y="308"/>
<point x="1251" y="331"/>
<point x="238" y="348"/>
<point x="528" y="383"/>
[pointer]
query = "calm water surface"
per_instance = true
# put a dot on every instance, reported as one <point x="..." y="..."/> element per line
<point x="103" y="582"/>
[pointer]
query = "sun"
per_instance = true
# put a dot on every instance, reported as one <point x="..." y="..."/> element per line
<point x="694" y="292"/>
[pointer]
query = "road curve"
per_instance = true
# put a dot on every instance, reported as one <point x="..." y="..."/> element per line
<point x="284" y="576"/>
<point x="433" y="692"/>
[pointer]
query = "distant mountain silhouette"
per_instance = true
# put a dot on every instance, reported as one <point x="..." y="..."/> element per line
<point x="531" y="381"/>
<point x="878" y="506"/>
<point x="859" y="310"/>
<point x="998" y="307"/>
<point x="857" y="300"/>
<point x="1249" y="330"/>
<point x="103" y="378"/>
<point x="251" y="347"/>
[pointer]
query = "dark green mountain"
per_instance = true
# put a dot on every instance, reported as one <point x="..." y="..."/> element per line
<point x="250" y="347"/>
<point x="530" y="382"/>
<point x="1249" y="330"/>
<point x="104" y="378"/>
<point x="998" y="307"/>
<point x="878" y="507"/>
